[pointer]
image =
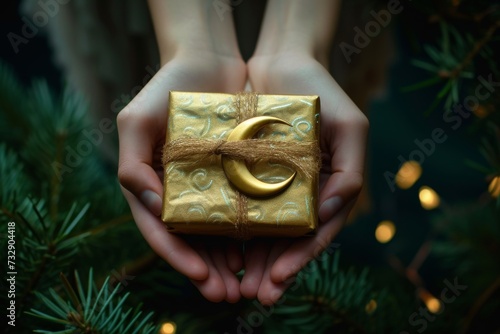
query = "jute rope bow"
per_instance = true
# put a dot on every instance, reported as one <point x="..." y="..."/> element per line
<point x="304" y="157"/>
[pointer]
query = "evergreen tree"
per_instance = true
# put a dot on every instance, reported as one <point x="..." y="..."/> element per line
<point x="81" y="266"/>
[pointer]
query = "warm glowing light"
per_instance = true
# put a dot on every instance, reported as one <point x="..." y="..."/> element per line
<point x="432" y="303"/>
<point x="494" y="187"/>
<point x="408" y="174"/>
<point x="385" y="231"/>
<point x="168" y="328"/>
<point x="429" y="199"/>
<point x="371" y="306"/>
<point x="482" y="111"/>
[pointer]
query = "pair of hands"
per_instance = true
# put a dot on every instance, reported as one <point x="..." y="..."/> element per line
<point x="268" y="264"/>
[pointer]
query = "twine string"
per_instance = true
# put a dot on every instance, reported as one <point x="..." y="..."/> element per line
<point x="303" y="157"/>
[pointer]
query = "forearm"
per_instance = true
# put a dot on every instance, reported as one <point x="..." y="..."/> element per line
<point x="298" y="26"/>
<point x="192" y="26"/>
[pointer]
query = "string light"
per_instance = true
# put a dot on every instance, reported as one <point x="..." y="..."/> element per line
<point x="168" y="328"/>
<point x="371" y="306"/>
<point x="494" y="187"/>
<point x="432" y="303"/>
<point x="385" y="231"/>
<point x="482" y="111"/>
<point x="408" y="174"/>
<point x="429" y="199"/>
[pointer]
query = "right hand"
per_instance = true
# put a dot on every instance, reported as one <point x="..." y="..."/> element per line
<point x="141" y="129"/>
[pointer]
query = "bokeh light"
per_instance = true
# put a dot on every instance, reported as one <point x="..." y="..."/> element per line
<point x="371" y="306"/>
<point x="168" y="328"/>
<point x="408" y="174"/>
<point x="432" y="303"/>
<point x="481" y="111"/>
<point x="385" y="231"/>
<point x="429" y="199"/>
<point x="494" y="187"/>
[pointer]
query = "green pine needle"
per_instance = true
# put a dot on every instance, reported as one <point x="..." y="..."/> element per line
<point x="106" y="315"/>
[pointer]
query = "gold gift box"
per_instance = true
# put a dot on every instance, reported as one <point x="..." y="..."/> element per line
<point x="198" y="197"/>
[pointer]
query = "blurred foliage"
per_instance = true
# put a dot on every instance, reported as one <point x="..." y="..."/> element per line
<point x="71" y="217"/>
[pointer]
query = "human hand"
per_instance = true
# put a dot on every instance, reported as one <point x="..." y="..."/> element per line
<point x="191" y="61"/>
<point x="141" y="128"/>
<point x="269" y="264"/>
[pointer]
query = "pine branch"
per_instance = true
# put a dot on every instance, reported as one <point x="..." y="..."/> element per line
<point x="472" y="54"/>
<point x="327" y="299"/>
<point x="55" y="184"/>
<point x="452" y="12"/>
<point x="58" y="241"/>
<point x="96" y="310"/>
<point x="487" y="293"/>
<point x="12" y="106"/>
<point x="32" y="283"/>
<point x="106" y="226"/>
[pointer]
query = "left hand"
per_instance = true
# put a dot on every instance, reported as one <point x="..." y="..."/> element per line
<point x="269" y="264"/>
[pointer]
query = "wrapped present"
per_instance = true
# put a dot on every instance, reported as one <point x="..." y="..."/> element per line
<point x="241" y="165"/>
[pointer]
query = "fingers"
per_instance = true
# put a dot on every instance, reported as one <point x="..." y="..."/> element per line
<point x="170" y="247"/>
<point x="255" y="264"/>
<point x="213" y="287"/>
<point x="141" y="130"/>
<point x="209" y="271"/>
<point x="344" y="141"/>
<point x="340" y="189"/>
<point x="344" y="129"/>
<point x="298" y="255"/>
<point x="231" y="283"/>
<point x="234" y="257"/>
<point x="221" y="284"/>
<point x="138" y="143"/>
<point x="270" y="291"/>
<point x="259" y="260"/>
<point x="269" y="268"/>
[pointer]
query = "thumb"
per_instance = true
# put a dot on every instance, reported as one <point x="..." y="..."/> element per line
<point x="340" y="189"/>
<point x="135" y="168"/>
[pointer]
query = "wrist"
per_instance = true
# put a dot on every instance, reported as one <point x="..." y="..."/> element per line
<point x="191" y="28"/>
<point x="301" y="28"/>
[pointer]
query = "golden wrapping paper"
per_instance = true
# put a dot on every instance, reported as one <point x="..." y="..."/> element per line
<point x="198" y="197"/>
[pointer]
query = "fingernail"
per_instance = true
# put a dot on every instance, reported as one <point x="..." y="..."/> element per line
<point x="152" y="201"/>
<point x="329" y="208"/>
<point x="276" y="295"/>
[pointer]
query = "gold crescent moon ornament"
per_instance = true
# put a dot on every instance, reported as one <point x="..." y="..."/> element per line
<point x="236" y="170"/>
